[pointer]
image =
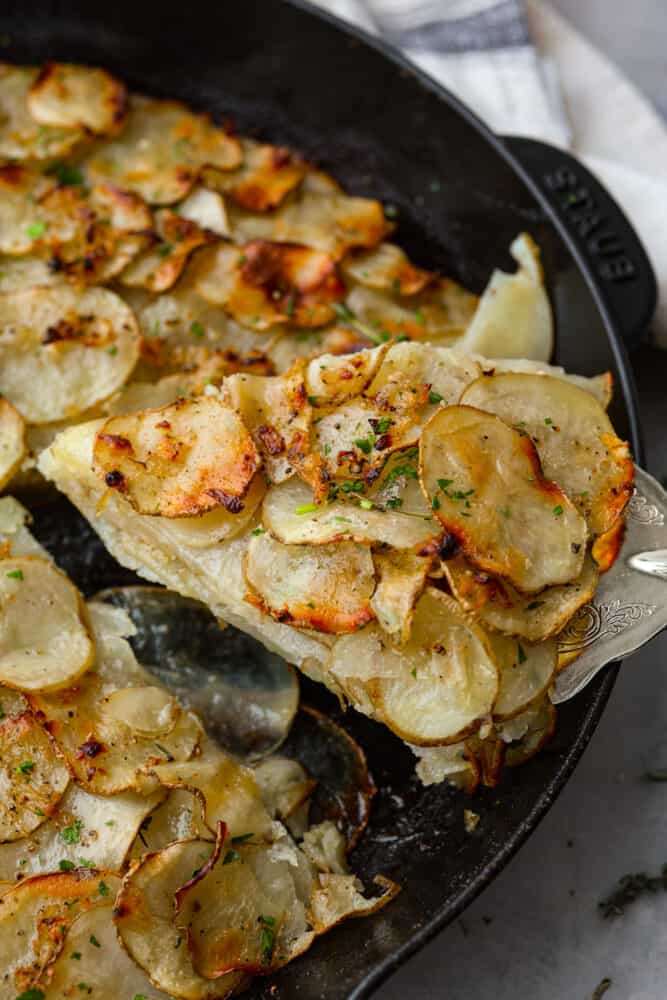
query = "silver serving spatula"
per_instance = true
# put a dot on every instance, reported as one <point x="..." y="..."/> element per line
<point x="630" y="605"/>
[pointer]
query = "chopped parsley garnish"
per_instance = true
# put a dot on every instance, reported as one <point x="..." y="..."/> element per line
<point x="419" y="317"/>
<point x="366" y="504"/>
<point x="312" y="400"/>
<point x="548" y="421"/>
<point x="382" y="425"/>
<point x="103" y="889"/>
<point x="25" y="767"/>
<point x="414" y="672"/>
<point x="196" y="329"/>
<point x="305" y="508"/>
<point x="259" y="531"/>
<point x="344" y="313"/>
<point x="35" y="230"/>
<point x="15" y="574"/>
<point x="390" y="211"/>
<point x="67" y="175"/>
<point x="522" y="653"/>
<point x="268" y="925"/>
<point x="31" y="994"/>
<point x="435" y="504"/>
<point x="352" y="486"/>
<point x="93" y="940"/>
<point x="241" y="838"/>
<point x="394" y="503"/>
<point x="76" y="955"/>
<point x="533" y="605"/>
<point x="558" y="510"/>
<point x="291" y="302"/>
<point x="165" y="250"/>
<point x="71" y="834"/>
<point x="505" y="511"/>
<point x="231" y="856"/>
<point x="364" y="444"/>
<point x="434" y="397"/>
<point x="113" y="350"/>
<point x="409" y="471"/>
<point x="66" y="866"/>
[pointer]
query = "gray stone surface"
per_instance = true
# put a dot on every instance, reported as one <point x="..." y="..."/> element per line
<point x="535" y="933"/>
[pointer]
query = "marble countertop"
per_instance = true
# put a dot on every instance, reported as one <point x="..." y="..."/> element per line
<point x="536" y="932"/>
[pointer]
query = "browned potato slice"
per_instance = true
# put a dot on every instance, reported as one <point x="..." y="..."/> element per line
<point x="501" y="607"/>
<point x="12" y="441"/>
<point x="440" y="313"/>
<point x="264" y="284"/>
<point x="401" y="579"/>
<point x="607" y="547"/>
<point x="144" y="917"/>
<point x="161" y="151"/>
<point x="326" y="587"/>
<point x="35" y="917"/>
<point x="528" y="732"/>
<point x="207" y="209"/>
<point x="44" y="644"/>
<point x="34" y="212"/>
<point x="266" y="175"/>
<point x="34" y="778"/>
<point x="79" y="347"/>
<point x="291" y="517"/>
<point x="101" y="962"/>
<point x="526" y="670"/>
<point x="573" y="435"/>
<point x="454" y="764"/>
<point x="22" y="137"/>
<point x="19" y="273"/>
<point x="284" y="786"/>
<point x="181" y="460"/>
<point x="96" y="829"/>
<point x="319" y="215"/>
<point x="217" y="525"/>
<point x="332" y="379"/>
<point x="409" y="365"/>
<point x="387" y="268"/>
<point x="67" y="96"/>
<point x="177" y="817"/>
<point x="434" y="689"/>
<point x="159" y="268"/>
<point x="485" y="484"/>
<point x="338" y="897"/>
<point x="513" y="319"/>
<point x="600" y="386"/>
<point x="277" y="413"/>
<point x="15" y="536"/>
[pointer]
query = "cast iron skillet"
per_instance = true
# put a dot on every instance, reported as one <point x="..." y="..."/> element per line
<point x="462" y="194"/>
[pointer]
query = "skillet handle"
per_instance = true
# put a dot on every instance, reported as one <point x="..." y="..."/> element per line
<point x="613" y="257"/>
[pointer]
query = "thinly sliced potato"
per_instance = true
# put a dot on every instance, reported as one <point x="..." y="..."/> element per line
<point x="12" y="441"/>
<point x="180" y="460"/>
<point x="266" y="175"/>
<point x="332" y="379"/>
<point x="85" y="831"/>
<point x="217" y="525"/>
<point x="276" y="411"/>
<point x="387" y="268"/>
<point x="319" y="215"/>
<point x="607" y="547"/>
<point x="405" y="524"/>
<point x="177" y="817"/>
<point x="33" y="777"/>
<point x="574" y="437"/>
<point x="526" y="670"/>
<point x="44" y="643"/>
<point x="437" y="687"/>
<point x="22" y="137"/>
<point x="34" y="213"/>
<point x="339" y="897"/>
<point x="411" y="365"/>
<point x="207" y="209"/>
<point x="335" y="339"/>
<point x="486" y="486"/>
<point x="35" y="917"/>
<point x="401" y="579"/>
<point x="441" y="313"/>
<point x="144" y="917"/>
<point x="499" y="606"/>
<point x="324" y="845"/>
<point x="513" y="318"/>
<point x="161" y="151"/>
<point x="265" y="284"/>
<point x="325" y="587"/>
<point x="15" y="536"/>
<point x="454" y="764"/>
<point x="159" y="267"/>
<point x="600" y="386"/>
<point x="283" y="784"/>
<point x="67" y="96"/>
<point x="94" y="958"/>
<point x="247" y="911"/>
<point x="78" y="347"/>
<point x="528" y="732"/>
<point x="19" y="273"/>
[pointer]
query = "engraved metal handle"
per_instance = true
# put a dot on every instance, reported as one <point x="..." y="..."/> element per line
<point x="630" y="605"/>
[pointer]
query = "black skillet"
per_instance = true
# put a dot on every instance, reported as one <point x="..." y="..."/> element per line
<point x="462" y="194"/>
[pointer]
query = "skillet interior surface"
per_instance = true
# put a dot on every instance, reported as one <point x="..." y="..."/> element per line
<point x="291" y="77"/>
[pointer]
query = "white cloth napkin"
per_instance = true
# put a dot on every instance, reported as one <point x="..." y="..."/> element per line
<point x="526" y="71"/>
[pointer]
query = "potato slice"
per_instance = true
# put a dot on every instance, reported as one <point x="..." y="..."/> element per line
<point x="338" y="898"/>
<point x="440" y="313"/>
<point x="159" y="267"/>
<point x="319" y="215"/>
<point x="78" y="347"/>
<point x="277" y="413"/>
<point x="44" y="644"/>
<point x="15" y="536"/>
<point x="454" y="764"/>
<point x="409" y="365"/>
<point x="207" y="209"/>
<point x="264" y="284"/>
<point x="600" y="386"/>
<point x="437" y="687"/>
<point x="217" y="525"/>
<point x="35" y="918"/>
<point x="34" y="778"/>
<point x="22" y="137"/>
<point x="406" y="524"/>
<point x="266" y="175"/>
<point x="283" y="785"/>
<point x="607" y="547"/>
<point x="526" y="670"/>
<point x="499" y="606"/>
<point x="64" y="95"/>
<point x="180" y="460"/>
<point x="401" y="579"/>
<point x="574" y="437"/>
<point x="161" y="151"/>
<point x="332" y="379"/>
<point x="177" y="817"/>
<point x="249" y="913"/>
<point x="19" y="273"/>
<point x="325" y="587"/>
<point x="513" y="319"/>
<point x="144" y="918"/>
<point x="387" y="268"/>
<point x="34" y="213"/>
<point x="85" y="831"/>
<point x="528" y="732"/>
<point x="12" y="441"/>
<point x="101" y="962"/>
<point x="486" y="486"/>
